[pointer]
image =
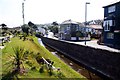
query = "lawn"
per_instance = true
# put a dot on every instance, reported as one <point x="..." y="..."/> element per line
<point x="32" y="67"/>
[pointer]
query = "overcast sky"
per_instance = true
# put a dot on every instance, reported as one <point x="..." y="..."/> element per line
<point x="47" y="11"/>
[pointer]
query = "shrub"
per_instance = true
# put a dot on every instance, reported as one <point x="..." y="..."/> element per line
<point x="33" y="68"/>
<point x="29" y="63"/>
<point x="39" y="59"/>
<point x="50" y="71"/>
<point x="24" y="38"/>
<point x="31" y="40"/>
<point x="59" y="73"/>
<point x="26" y="54"/>
<point x="41" y="70"/>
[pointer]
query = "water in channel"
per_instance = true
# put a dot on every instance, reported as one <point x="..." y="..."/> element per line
<point x="72" y="64"/>
<point x="75" y="66"/>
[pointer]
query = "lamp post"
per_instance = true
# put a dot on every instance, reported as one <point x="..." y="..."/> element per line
<point x="23" y="16"/>
<point x="59" y="32"/>
<point x="86" y="19"/>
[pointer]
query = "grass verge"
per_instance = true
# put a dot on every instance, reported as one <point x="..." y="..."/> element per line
<point x="34" y="47"/>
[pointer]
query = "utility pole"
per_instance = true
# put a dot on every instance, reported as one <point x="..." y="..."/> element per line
<point x="23" y="16"/>
<point x="86" y="19"/>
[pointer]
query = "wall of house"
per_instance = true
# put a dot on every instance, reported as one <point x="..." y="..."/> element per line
<point x="69" y="30"/>
<point x="118" y="16"/>
<point x="65" y="33"/>
<point x="115" y="41"/>
<point x="102" y="62"/>
<point x="41" y="30"/>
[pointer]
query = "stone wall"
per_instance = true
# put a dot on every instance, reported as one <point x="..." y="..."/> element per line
<point x="102" y="62"/>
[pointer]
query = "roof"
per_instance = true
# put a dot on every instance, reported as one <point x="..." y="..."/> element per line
<point x="114" y="3"/>
<point x="81" y="24"/>
<point x="69" y="22"/>
<point x="95" y="26"/>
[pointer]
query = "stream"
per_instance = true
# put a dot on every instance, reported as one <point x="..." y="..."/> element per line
<point x="81" y="70"/>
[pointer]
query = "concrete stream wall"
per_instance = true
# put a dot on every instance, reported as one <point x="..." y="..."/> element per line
<point x="104" y="63"/>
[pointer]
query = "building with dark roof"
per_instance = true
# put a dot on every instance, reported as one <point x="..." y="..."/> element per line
<point x="71" y="30"/>
<point x="111" y="24"/>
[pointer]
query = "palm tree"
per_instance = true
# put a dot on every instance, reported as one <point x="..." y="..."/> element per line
<point x="16" y="61"/>
<point x="18" y="58"/>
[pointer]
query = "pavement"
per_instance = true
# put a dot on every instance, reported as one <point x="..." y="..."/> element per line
<point x="1" y="47"/>
<point x="92" y="43"/>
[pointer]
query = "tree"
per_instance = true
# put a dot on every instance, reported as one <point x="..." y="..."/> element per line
<point x="4" y="29"/>
<point x="55" y="23"/>
<point x="18" y="58"/>
<point x="54" y="27"/>
<point x="25" y="29"/>
<point x="79" y="34"/>
<point x="4" y="26"/>
<point x="32" y="25"/>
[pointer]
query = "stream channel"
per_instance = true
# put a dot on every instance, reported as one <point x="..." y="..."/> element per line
<point x="81" y="70"/>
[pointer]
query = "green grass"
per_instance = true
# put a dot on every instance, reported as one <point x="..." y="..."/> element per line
<point x="35" y="47"/>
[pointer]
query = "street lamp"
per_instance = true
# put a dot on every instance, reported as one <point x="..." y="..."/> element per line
<point x="23" y="16"/>
<point x="59" y="32"/>
<point x="86" y="19"/>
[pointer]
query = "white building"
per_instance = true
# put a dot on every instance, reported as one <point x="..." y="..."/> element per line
<point x="40" y="29"/>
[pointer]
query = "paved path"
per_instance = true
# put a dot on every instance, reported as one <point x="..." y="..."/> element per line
<point x="94" y="44"/>
<point x="1" y="47"/>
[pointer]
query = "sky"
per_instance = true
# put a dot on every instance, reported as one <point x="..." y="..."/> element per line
<point x="48" y="11"/>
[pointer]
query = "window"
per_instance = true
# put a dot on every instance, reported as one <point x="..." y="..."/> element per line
<point x="110" y="22"/>
<point x="68" y="27"/>
<point x="111" y="9"/>
<point x="73" y="27"/>
<point x="107" y="24"/>
<point x="104" y="23"/>
<point x="77" y="28"/>
<point x="110" y="36"/>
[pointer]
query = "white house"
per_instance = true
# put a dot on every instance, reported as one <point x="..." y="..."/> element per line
<point x="40" y="29"/>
